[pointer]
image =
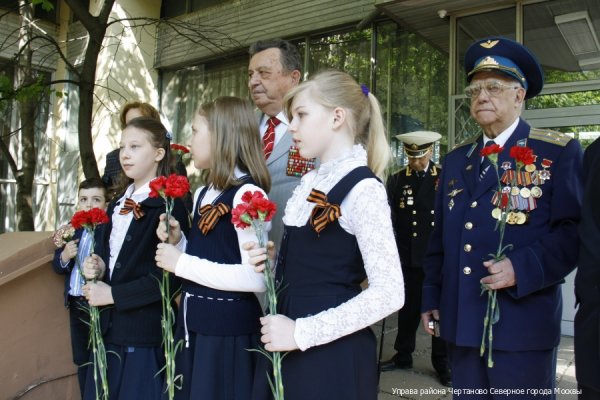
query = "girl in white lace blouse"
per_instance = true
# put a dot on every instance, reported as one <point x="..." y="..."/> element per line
<point x="337" y="233"/>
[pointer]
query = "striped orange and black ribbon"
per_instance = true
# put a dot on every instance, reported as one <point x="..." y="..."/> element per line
<point x="129" y="206"/>
<point x="210" y="215"/>
<point x="324" y="212"/>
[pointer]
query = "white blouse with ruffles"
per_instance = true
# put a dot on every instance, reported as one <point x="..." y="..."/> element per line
<point x="366" y="215"/>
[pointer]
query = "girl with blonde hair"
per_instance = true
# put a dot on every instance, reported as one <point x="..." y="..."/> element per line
<point x="219" y="313"/>
<point x="338" y="232"/>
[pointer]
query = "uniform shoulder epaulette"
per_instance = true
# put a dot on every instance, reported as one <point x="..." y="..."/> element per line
<point x="471" y="140"/>
<point x="548" y="136"/>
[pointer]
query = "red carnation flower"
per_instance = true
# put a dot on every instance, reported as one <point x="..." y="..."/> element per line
<point x="157" y="186"/>
<point x="489" y="150"/>
<point x="89" y="219"/>
<point x="179" y="148"/>
<point x="240" y="216"/>
<point x="523" y="155"/>
<point x="176" y="186"/>
<point x="266" y="209"/>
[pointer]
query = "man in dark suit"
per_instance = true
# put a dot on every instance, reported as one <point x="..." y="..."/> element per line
<point x="411" y="194"/>
<point x="541" y="204"/>
<point x="275" y="68"/>
<point x="587" y="281"/>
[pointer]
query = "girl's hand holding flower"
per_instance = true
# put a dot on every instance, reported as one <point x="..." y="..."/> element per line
<point x="167" y="256"/>
<point x="175" y="231"/>
<point x="258" y="255"/>
<point x="70" y="251"/>
<point x="93" y="267"/>
<point x="278" y="333"/>
<point x="98" y="293"/>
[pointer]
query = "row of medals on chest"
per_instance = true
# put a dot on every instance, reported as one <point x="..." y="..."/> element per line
<point x="407" y="192"/>
<point x="522" y="190"/>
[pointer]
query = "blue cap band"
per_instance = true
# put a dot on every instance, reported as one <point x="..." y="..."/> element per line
<point x="499" y="64"/>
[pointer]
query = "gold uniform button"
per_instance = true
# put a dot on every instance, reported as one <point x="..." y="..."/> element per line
<point x="467" y="247"/>
<point x="432" y="223"/>
<point x="433" y="212"/>
<point x="474" y="204"/>
<point x="414" y="223"/>
<point x="467" y="271"/>
<point x="414" y="234"/>
<point x="469" y="226"/>
<point x="414" y="212"/>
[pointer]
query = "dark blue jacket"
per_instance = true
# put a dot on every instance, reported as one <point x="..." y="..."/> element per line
<point x="587" y="280"/>
<point x="134" y="318"/>
<point x="544" y="249"/>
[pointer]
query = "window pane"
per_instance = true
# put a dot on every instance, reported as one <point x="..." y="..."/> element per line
<point x="412" y="85"/>
<point x="173" y="8"/>
<point x="349" y="52"/>
<point x="186" y="89"/>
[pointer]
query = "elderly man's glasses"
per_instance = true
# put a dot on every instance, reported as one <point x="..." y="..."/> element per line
<point x="493" y="88"/>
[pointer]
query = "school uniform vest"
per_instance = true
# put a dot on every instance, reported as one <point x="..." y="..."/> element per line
<point x="211" y="311"/>
<point x="318" y="271"/>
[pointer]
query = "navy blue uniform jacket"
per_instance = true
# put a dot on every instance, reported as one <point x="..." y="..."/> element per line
<point x="544" y="249"/>
<point x="134" y="318"/>
<point x="587" y="280"/>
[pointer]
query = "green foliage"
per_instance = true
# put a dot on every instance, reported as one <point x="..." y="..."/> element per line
<point x="46" y="5"/>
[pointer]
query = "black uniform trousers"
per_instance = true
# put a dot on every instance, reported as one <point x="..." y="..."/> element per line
<point x="80" y="333"/>
<point x="409" y="319"/>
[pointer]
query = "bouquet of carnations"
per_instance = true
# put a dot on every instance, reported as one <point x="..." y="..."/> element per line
<point x="89" y="220"/>
<point x="253" y="212"/>
<point x="169" y="188"/>
<point x="509" y="207"/>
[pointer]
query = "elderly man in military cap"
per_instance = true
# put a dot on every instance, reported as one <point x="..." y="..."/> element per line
<point x="544" y="201"/>
<point x="411" y="194"/>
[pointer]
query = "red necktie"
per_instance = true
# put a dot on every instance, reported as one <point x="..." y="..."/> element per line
<point x="269" y="137"/>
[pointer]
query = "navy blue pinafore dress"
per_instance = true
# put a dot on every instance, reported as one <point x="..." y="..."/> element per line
<point x="318" y="272"/>
<point x="217" y="326"/>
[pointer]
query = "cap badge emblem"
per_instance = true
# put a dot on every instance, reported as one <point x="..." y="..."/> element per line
<point x="489" y="43"/>
<point x="487" y="61"/>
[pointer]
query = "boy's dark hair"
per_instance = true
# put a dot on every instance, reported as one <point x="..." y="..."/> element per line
<point x="94" y="182"/>
<point x="290" y="57"/>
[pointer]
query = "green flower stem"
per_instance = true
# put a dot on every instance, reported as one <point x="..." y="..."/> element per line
<point x="98" y="354"/>
<point x="168" y="319"/>
<point x="485" y="325"/>
<point x="269" y="274"/>
<point x="492" y="306"/>
<point x="95" y="340"/>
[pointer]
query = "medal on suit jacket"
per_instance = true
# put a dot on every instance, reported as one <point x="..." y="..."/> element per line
<point x="521" y="190"/>
<point x="452" y="193"/>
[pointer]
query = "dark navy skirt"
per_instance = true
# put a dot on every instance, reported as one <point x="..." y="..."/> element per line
<point x="132" y="373"/>
<point x="216" y="367"/>
<point x="345" y="369"/>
